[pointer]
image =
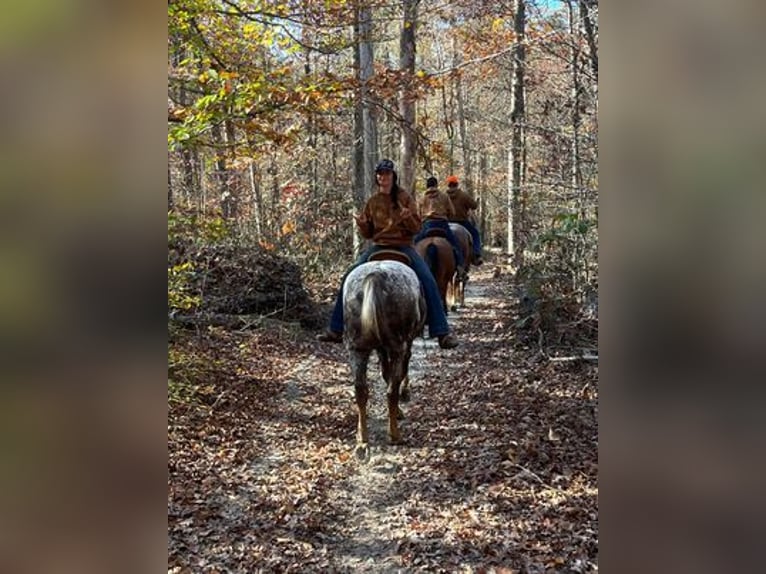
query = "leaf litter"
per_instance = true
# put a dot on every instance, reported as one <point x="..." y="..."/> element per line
<point x="497" y="473"/>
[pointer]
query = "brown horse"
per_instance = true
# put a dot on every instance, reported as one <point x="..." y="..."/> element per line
<point x="465" y="241"/>
<point x="437" y="252"/>
<point x="384" y="310"/>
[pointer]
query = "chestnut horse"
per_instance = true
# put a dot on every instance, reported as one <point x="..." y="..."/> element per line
<point x="436" y="251"/>
<point x="383" y="310"/>
<point x="465" y="240"/>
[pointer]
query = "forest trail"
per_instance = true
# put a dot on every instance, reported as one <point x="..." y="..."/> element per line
<point x="498" y="468"/>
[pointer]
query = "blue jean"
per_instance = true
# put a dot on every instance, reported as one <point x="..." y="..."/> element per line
<point x="442" y="224"/>
<point x="474" y="233"/>
<point x="437" y="320"/>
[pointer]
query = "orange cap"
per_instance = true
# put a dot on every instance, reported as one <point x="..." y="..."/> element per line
<point x="452" y="179"/>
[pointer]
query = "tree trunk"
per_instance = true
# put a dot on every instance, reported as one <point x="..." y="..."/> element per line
<point x="510" y="233"/>
<point x="482" y="189"/>
<point x="586" y="15"/>
<point x="311" y="169"/>
<point x="578" y="253"/>
<point x="276" y="219"/>
<point x="189" y="173"/>
<point x="516" y="243"/>
<point x="221" y="174"/>
<point x="407" y="96"/>
<point x="255" y="188"/>
<point x="575" y="167"/>
<point x="369" y="118"/>
<point x="171" y="206"/>
<point x="365" y="125"/>
<point x="464" y="143"/>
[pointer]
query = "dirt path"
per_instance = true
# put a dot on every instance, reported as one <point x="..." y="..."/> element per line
<point x="498" y="470"/>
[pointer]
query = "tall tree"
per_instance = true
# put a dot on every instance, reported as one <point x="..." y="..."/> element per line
<point x="576" y="104"/>
<point x="464" y="140"/>
<point x="365" y="123"/>
<point x="587" y="8"/>
<point x="407" y="48"/>
<point x="515" y="191"/>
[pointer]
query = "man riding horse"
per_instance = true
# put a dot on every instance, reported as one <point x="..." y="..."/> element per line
<point x="436" y="209"/>
<point x="463" y="203"/>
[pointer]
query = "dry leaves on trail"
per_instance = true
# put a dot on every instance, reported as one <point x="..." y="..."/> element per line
<point x="497" y="474"/>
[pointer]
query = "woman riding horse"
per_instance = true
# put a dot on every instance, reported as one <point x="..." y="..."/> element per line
<point x="390" y="219"/>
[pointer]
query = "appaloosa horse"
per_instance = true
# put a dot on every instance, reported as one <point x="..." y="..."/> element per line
<point x="465" y="240"/>
<point x="383" y="310"/>
<point x="436" y="251"/>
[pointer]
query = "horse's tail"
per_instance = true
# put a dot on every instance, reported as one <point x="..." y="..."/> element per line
<point x="432" y="256"/>
<point x="370" y="307"/>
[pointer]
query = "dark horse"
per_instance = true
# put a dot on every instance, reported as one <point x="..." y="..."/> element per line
<point x="437" y="252"/>
<point x="383" y="310"/>
<point x="465" y="240"/>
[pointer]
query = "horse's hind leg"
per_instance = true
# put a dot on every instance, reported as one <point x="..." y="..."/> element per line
<point x="362" y="393"/>
<point x="393" y="412"/>
<point x="398" y="388"/>
<point x="404" y="390"/>
<point x="451" y="296"/>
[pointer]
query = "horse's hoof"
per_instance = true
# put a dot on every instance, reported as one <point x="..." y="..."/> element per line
<point x="362" y="452"/>
<point x="404" y="396"/>
<point x="453" y="308"/>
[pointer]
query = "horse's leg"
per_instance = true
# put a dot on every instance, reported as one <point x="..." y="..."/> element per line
<point x="359" y="361"/>
<point x="390" y="362"/>
<point x="398" y="385"/>
<point x="404" y="396"/>
<point x="404" y="390"/>
<point x="393" y="409"/>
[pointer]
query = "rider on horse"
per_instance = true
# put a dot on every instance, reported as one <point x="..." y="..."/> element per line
<point x="463" y="203"/>
<point x="436" y="209"/>
<point x="390" y="219"/>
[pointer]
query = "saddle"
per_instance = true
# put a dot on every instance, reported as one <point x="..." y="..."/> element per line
<point x="436" y="232"/>
<point x="390" y="255"/>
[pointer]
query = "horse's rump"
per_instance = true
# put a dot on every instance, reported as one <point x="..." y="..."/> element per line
<point x="465" y="241"/>
<point x="382" y="305"/>
<point x="439" y="256"/>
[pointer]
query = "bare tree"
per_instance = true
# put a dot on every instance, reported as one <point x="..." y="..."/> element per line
<point x="365" y="125"/>
<point x="516" y="152"/>
<point x="407" y="96"/>
<point x="587" y="8"/>
<point x="464" y="141"/>
<point x="576" y="174"/>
